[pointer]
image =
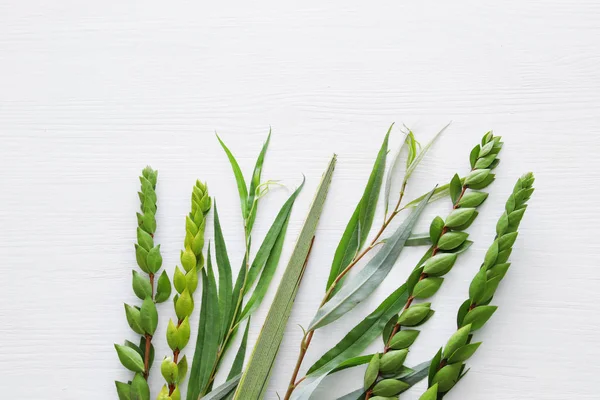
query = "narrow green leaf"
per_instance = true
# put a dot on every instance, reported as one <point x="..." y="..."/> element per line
<point x="354" y="343"/>
<point x="267" y="274"/>
<point x="255" y="181"/>
<point x="256" y="375"/>
<point x="392" y="170"/>
<point x="239" y="178"/>
<point x="271" y="238"/>
<point x="353" y="362"/>
<point x="360" y="223"/>
<point x="418" y="239"/>
<point x="238" y="362"/>
<point x="361" y="285"/>
<point x="225" y="276"/>
<point x="208" y="337"/>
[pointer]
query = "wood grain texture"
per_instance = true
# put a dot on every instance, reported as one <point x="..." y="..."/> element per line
<point x="90" y="92"/>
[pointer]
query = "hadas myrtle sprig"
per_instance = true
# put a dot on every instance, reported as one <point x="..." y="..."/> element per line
<point x="449" y="239"/>
<point x="448" y="365"/>
<point x="143" y="319"/>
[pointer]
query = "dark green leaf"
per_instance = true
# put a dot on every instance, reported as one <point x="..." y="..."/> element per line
<point x="238" y="362"/>
<point x="123" y="390"/>
<point x="208" y="338"/>
<point x="387" y="330"/>
<point x="434" y="366"/>
<point x="255" y="182"/>
<point x="224" y="390"/>
<point x="358" y="228"/>
<point x="455" y="188"/>
<point x="225" y="276"/>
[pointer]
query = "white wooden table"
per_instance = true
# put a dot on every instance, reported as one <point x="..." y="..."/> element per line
<point x="91" y="92"/>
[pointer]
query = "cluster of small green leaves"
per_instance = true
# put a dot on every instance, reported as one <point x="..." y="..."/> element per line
<point x="448" y="239"/>
<point x="185" y="282"/>
<point x="227" y="303"/>
<point x="448" y="365"/>
<point x="144" y="320"/>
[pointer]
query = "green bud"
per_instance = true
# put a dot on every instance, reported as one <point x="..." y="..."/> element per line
<point x="488" y="179"/>
<point x="485" y="162"/>
<point x="184" y="305"/>
<point x="451" y="240"/>
<point x="164" y="393"/>
<point x="149" y="316"/>
<point x="427" y="287"/>
<point x="498" y="270"/>
<point x="144" y="239"/>
<point x="389" y="387"/>
<point x="430" y="394"/>
<point x="169" y="371"/>
<point x="440" y="264"/>
<point x="392" y="361"/>
<point x="447" y="377"/>
<point x="139" y="388"/>
<point x="190" y="227"/>
<point x="474" y="155"/>
<point x="463" y="353"/>
<point x="460" y="217"/>
<point x="478" y="286"/>
<point x="414" y="315"/>
<point x="457" y="340"/>
<point x="179" y="280"/>
<point x="491" y="255"/>
<point x="191" y="279"/>
<point x="478" y="316"/>
<point x="172" y="336"/>
<point x="507" y="241"/>
<point x="372" y="372"/>
<point x="188" y="259"/>
<point x="485" y="150"/>
<point x="456" y="188"/>
<point x="404" y="339"/>
<point x="141" y="255"/>
<point x="154" y="259"/>
<point x="183" y="333"/>
<point x="198" y="242"/>
<point x="472" y="199"/>
<point x="133" y="319"/>
<point x="487" y="138"/>
<point x="478" y="176"/>
<point x="141" y="286"/>
<point x="435" y="229"/>
<point x="163" y="288"/>
<point x="131" y="359"/>
<point x="503" y="256"/>
<point x="182" y="368"/>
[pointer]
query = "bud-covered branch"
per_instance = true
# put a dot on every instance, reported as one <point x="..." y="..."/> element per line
<point x="448" y="366"/>
<point x="143" y="319"/>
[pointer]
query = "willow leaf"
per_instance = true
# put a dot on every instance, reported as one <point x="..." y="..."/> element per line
<point x="238" y="362"/>
<point x="358" y="227"/>
<point x="419" y="239"/>
<point x="361" y="285"/>
<point x="224" y="390"/>
<point x="255" y="183"/>
<point x="353" y="344"/>
<point x="239" y="179"/>
<point x="439" y="193"/>
<point x="255" y="378"/>
<point x="390" y="174"/>
<point x="271" y="238"/>
<point x="225" y="278"/>
<point x="208" y="337"/>
<point x="413" y="165"/>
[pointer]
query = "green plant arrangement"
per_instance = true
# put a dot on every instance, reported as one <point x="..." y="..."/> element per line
<point x="143" y="319"/>
<point x="227" y="302"/>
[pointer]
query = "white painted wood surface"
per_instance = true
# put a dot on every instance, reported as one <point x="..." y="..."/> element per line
<point x="90" y="92"/>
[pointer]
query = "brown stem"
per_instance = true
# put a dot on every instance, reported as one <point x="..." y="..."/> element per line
<point x="307" y="338"/>
<point x="148" y="337"/>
